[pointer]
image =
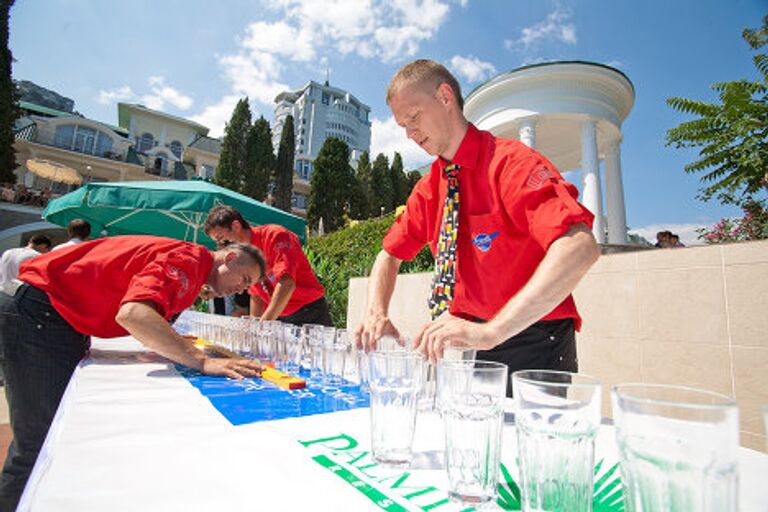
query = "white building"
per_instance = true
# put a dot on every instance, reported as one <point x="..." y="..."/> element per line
<point x="320" y="111"/>
<point x="572" y="113"/>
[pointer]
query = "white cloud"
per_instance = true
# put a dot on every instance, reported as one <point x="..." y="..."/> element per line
<point x="123" y="93"/>
<point x="471" y="68"/>
<point x="556" y="26"/>
<point x="255" y="75"/>
<point x="215" y="117"/>
<point x="280" y="39"/>
<point x="387" y="138"/>
<point x="162" y="94"/>
<point x="686" y="232"/>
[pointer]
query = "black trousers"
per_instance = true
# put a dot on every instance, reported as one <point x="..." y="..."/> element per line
<point x="316" y="312"/>
<point x="545" y="345"/>
<point x="40" y="351"/>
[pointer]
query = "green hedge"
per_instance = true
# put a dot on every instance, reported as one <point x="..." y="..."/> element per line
<point x="350" y="252"/>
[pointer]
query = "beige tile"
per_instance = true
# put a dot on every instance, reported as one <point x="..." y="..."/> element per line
<point x="358" y="294"/>
<point x="686" y="305"/>
<point x="687" y="364"/>
<point x="621" y="262"/>
<point x="408" y="309"/>
<point x="687" y="257"/>
<point x="750" y="368"/>
<point x="753" y="441"/>
<point x="613" y="362"/>
<point x="747" y="292"/>
<point x="745" y="252"/>
<point x="608" y="305"/>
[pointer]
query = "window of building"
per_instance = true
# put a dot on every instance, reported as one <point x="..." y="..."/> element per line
<point x="83" y="139"/>
<point x="176" y="148"/>
<point x="103" y="144"/>
<point x="207" y="171"/>
<point x="326" y="98"/>
<point x="145" y="142"/>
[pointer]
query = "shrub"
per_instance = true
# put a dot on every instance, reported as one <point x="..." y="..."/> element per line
<point x="350" y="252"/>
<point x="753" y="226"/>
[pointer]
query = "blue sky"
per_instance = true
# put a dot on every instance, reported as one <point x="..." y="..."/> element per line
<point x="195" y="58"/>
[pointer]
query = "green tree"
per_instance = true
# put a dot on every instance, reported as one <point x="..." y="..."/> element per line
<point x="261" y="160"/>
<point x="284" y="166"/>
<point x="333" y="186"/>
<point x="8" y="95"/>
<point x="363" y="175"/>
<point x="399" y="181"/>
<point x="413" y="179"/>
<point x="732" y="134"/>
<point x="233" y="160"/>
<point x="381" y="186"/>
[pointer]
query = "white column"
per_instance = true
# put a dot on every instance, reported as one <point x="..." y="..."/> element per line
<point x="590" y="169"/>
<point x="528" y="132"/>
<point x="614" y="195"/>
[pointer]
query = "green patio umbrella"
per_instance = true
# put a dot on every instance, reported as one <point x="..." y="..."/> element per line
<point x="175" y="209"/>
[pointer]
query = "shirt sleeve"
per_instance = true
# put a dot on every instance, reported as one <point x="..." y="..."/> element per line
<point x="541" y="202"/>
<point x="168" y="282"/>
<point x="409" y="233"/>
<point x="286" y="253"/>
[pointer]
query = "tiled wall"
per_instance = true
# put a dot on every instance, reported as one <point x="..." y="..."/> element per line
<point x="696" y="316"/>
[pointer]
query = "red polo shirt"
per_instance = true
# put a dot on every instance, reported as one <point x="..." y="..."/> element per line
<point x="88" y="282"/>
<point x="513" y="204"/>
<point x="284" y="256"/>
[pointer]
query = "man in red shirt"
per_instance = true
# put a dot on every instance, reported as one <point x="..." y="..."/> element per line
<point x="290" y="291"/>
<point x="126" y="285"/>
<point x="512" y="253"/>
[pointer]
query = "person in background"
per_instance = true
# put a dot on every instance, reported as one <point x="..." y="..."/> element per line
<point x="510" y="239"/>
<point x="12" y="259"/>
<point x="662" y="239"/>
<point x="290" y="291"/>
<point x="116" y="286"/>
<point x="79" y="231"/>
<point x="674" y="241"/>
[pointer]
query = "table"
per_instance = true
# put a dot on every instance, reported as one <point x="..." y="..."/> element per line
<point x="132" y="433"/>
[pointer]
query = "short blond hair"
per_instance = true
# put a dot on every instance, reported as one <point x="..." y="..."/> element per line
<point x="427" y="75"/>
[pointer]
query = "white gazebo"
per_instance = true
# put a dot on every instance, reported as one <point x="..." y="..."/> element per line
<point x="571" y="112"/>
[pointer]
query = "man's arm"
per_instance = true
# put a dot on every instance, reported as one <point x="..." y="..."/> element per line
<point x="280" y="297"/>
<point x="144" y="323"/>
<point x="381" y="285"/>
<point x="566" y="262"/>
<point x="257" y="306"/>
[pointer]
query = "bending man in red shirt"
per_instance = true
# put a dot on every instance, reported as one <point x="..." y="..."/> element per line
<point x="126" y="285"/>
<point x="521" y="241"/>
<point x="290" y="291"/>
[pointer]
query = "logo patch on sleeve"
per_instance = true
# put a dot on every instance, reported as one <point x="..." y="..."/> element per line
<point x="539" y="177"/>
<point x="483" y="241"/>
<point x="179" y="275"/>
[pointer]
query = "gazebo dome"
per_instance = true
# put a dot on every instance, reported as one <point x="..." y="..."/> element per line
<point x="571" y="112"/>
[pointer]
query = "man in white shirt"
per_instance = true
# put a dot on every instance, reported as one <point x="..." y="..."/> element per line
<point x="79" y="231"/>
<point x="11" y="260"/>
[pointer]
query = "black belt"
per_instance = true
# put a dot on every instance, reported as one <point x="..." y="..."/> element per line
<point x="27" y="290"/>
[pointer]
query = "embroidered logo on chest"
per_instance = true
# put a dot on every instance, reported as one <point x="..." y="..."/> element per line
<point x="539" y="177"/>
<point x="483" y="241"/>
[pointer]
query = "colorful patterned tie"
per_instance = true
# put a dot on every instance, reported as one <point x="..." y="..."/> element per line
<point x="445" y="260"/>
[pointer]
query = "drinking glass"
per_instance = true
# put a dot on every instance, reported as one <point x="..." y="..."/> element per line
<point x="471" y="401"/>
<point x="395" y="381"/>
<point x="292" y="339"/>
<point x="557" y="418"/>
<point x="334" y="355"/>
<point x="678" y="448"/>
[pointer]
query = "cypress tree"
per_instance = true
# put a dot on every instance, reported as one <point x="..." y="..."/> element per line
<point x="399" y="181"/>
<point x="381" y="186"/>
<point x="333" y="186"/>
<point x="413" y="179"/>
<point x="363" y="175"/>
<point x="234" y="160"/>
<point x="261" y="160"/>
<point x="8" y="95"/>
<point x="284" y="166"/>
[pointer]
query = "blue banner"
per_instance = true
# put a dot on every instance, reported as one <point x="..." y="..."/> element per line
<point x="251" y="400"/>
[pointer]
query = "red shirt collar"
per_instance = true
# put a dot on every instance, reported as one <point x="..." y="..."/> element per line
<point x="468" y="154"/>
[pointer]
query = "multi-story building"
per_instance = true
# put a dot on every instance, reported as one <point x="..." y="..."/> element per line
<point x="320" y="111"/>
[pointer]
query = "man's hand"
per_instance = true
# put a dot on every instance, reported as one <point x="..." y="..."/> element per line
<point x="234" y="368"/>
<point x="371" y="329"/>
<point x="453" y="332"/>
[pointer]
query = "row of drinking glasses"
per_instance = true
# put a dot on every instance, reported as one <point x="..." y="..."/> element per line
<point x="320" y="349"/>
<point x="677" y="446"/>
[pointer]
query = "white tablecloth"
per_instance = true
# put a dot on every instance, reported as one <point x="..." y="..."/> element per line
<point x="132" y="434"/>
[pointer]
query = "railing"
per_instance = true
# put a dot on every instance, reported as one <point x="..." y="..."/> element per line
<point x="29" y="132"/>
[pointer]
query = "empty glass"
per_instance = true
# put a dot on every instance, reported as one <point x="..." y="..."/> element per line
<point x="471" y="401"/>
<point x="395" y="381"/>
<point x="335" y="349"/>
<point x="292" y="342"/>
<point x="678" y="448"/>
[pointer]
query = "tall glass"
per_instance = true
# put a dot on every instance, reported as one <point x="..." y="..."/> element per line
<point x="678" y="448"/>
<point x="292" y="338"/>
<point x="335" y="350"/>
<point x="471" y="400"/>
<point x="395" y="381"/>
<point x="557" y="418"/>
